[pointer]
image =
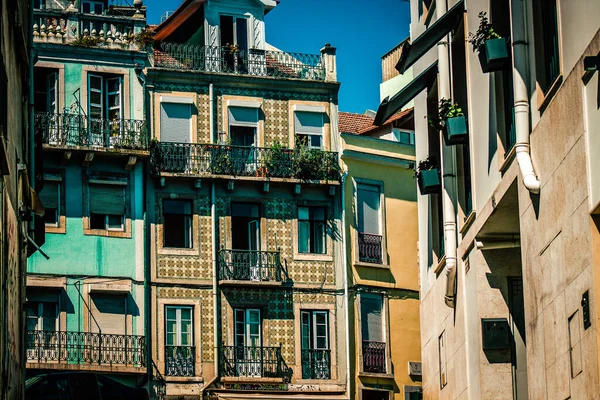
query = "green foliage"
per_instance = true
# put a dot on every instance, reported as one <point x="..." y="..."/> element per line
<point x="424" y="165"/>
<point x="221" y="160"/>
<point x="485" y="31"/>
<point x="144" y="39"/>
<point x="278" y="161"/>
<point x="87" y="41"/>
<point x="313" y="164"/>
<point x="446" y="109"/>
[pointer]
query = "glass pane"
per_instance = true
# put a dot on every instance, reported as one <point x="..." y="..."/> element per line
<point x="49" y="310"/>
<point x="31" y="309"/>
<point x="49" y="324"/>
<point x="254" y="316"/>
<point x="95" y="98"/>
<point x="319" y="238"/>
<point x="95" y="81"/>
<point x="305" y="322"/>
<point x="51" y="216"/>
<point x="113" y="85"/>
<point x="171" y="327"/>
<point x="321" y="342"/>
<point x="171" y="313"/>
<point x="315" y="141"/>
<point x="31" y="323"/>
<point x="368" y="210"/>
<point x="319" y="214"/>
<point x="303" y="213"/>
<point x="186" y="327"/>
<point x="115" y="221"/>
<point x="303" y="237"/>
<point x="114" y="100"/>
<point x="171" y="339"/>
<point x="185" y="339"/>
<point x="186" y="314"/>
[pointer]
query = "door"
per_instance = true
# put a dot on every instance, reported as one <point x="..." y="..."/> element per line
<point x="248" y="342"/>
<point x="254" y="247"/>
<point x="245" y="233"/>
<point x="114" y="116"/>
<point x="95" y="109"/>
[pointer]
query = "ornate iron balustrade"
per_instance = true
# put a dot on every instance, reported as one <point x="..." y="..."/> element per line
<point x="248" y="361"/>
<point x="369" y="248"/>
<point x="180" y="360"/>
<point x="373" y="354"/>
<point x="85" y="348"/>
<point x="229" y="60"/>
<point x="195" y="158"/>
<point x="249" y="265"/>
<point x="59" y="26"/>
<point x="316" y="364"/>
<point x="80" y="130"/>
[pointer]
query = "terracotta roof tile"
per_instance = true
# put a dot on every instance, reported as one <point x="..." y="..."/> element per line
<point x="359" y="124"/>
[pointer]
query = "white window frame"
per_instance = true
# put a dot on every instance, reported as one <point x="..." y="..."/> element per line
<point x="40" y="312"/>
<point x="176" y="100"/>
<point x="104" y="94"/>
<point x="123" y="184"/>
<point x="178" y="321"/>
<point x="310" y="134"/>
<point x="385" y="333"/>
<point x="313" y="328"/>
<point x="235" y="17"/>
<point x="307" y="221"/>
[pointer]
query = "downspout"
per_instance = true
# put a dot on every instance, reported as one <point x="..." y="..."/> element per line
<point x="519" y="48"/>
<point x="448" y="171"/>
<point x="345" y="264"/>
<point x="213" y="222"/>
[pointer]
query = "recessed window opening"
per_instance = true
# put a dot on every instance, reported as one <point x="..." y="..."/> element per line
<point x="177" y="223"/>
<point x="312" y="230"/>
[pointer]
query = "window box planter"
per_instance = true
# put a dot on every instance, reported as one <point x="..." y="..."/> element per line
<point x="455" y="130"/>
<point x="429" y="181"/>
<point x="494" y="55"/>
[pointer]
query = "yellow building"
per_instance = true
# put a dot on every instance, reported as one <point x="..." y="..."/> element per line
<point x="381" y="237"/>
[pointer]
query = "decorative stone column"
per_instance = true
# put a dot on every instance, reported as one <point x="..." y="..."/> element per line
<point x="329" y="62"/>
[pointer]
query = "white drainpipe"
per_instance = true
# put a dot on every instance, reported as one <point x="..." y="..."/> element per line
<point x="345" y="263"/>
<point x="519" y="49"/>
<point x="448" y="170"/>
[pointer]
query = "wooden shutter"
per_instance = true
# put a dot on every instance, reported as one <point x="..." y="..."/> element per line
<point x="176" y="122"/>
<point x="371" y="307"/>
<point x="110" y="313"/>
<point x="107" y="199"/>
<point x="49" y="194"/>
<point x="368" y="209"/>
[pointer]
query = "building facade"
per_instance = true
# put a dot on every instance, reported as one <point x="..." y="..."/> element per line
<point x="18" y="150"/>
<point x="244" y="209"/>
<point x="507" y="215"/>
<point x="381" y="234"/>
<point x="85" y="307"/>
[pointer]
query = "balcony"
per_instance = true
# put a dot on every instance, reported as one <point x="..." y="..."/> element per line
<point x="180" y="360"/>
<point x="373" y="355"/>
<point x="252" y="362"/>
<point x="83" y="348"/>
<point x="63" y="24"/>
<point x="369" y="248"/>
<point x="229" y="60"/>
<point x="194" y="159"/>
<point x="248" y="265"/>
<point x="74" y="130"/>
<point x="316" y="364"/>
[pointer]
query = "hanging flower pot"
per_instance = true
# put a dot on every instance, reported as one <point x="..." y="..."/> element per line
<point x="455" y="130"/>
<point x="494" y="55"/>
<point x="428" y="176"/>
<point x="492" y="48"/>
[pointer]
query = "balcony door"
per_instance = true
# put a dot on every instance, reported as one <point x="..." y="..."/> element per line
<point x="105" y="111"/>
<point x="248" y="342"/>
<point x="41" y="313"/>
<point x="315" y="345"/>
<point x="245" y="234"/>
<point x="243" y="122"/>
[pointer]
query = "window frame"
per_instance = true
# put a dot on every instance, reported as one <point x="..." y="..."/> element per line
<point x="178" y="324"/>
<point x="188" y="220"/>
<point x="60" y="225"/>
<point x="312" y="229"/>
<point x="122" y="180"/>
<point x="171" y="100"/>
<point x="309" y="135"/>
<point x="40" y="314"/>
<point x="385" y="331"/>
<point x="356" y="182"/>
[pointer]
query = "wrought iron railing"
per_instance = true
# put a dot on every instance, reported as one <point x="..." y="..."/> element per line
<point x="250" y="265"/>
<point x="80" y="130"/>
<point x="85" y="348"/>
<point x="265" y="362"/>
<point x="230" y="60"/>
<point x="373" y="354"/>
<point x="195" y="158"/>
<point x="180" y="360"/>
<point x="57" y="25"/>
<point x="369" y="248"/>
<point x="316" y="364"/>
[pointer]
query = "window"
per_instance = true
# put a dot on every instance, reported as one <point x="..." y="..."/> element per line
<point x="42" y="315"/>
<point x="547" y="55"/>
<point x="50" y="196"/>
<point x="248" y="344"/>
<point x="41" y="323"/>
<point x="46" y="90"/>
<point x="109" y="313"/>
<point x="107" y="205"/>
<point x="177" y="223"/>
<point x="179" y="341"/>
<point x="315" y="345"/>
<point x="370" y="248"/>
<point x="234" y="31"/>
<point x="176" y="122"/>
<point x="442" y="359"/>
<point x="311" y="230"/>
<point x="404" y="137"/>
<point x="105" y="110"/>
<point x="372" y="328"/>
<point x="308" y="128"/>
<point x="92" y="7"/>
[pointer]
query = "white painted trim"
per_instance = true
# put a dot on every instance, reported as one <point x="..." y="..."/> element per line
<point x="243" y="103"/>
<point x="307" y="108"/>
<point x="176" y="99"/>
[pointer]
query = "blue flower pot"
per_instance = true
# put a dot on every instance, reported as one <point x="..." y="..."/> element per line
<point x="429" y="181"/>
<point x="455" y="130"/>
<point x="494" y="55"/>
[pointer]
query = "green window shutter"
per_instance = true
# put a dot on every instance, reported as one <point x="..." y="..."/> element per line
<point x="109" y="312"/>
<point x="305" y="322"/>
<point x="107" y="199"/>
<point x="49" y="195"/>
<point x="371" y="307"/>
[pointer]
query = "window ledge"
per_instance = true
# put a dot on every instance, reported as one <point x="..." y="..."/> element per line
<point x="508" y="159"/>
<point x="545" y="100"/>
<point x="440" y="266"/>
<point x="107" y="233"/>
<point x="62" y="229"/>
<point x="371" y="265"/>
<point x="375" y="375"/>
<point x="468" y="222"/>
<point x="173" y="251"/>
<point x="250" y="379"/>
<point x="312" y="257"/>
<point x="198" y="379"/>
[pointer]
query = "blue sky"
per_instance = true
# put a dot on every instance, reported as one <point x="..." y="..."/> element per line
<point x="362" y="31"/>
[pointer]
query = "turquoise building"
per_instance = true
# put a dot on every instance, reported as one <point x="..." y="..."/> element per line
<point x="85" y="303"/>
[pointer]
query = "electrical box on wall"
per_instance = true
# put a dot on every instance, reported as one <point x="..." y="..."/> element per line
<point x="585" y="305"/>
<point x="414" y="368"/>
<point x="495" y="334"/>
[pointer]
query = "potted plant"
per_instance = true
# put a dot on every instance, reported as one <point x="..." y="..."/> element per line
<point x="428" y="176"/>
<point x="452" y="122"/>
<point x="492" y="48"/>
